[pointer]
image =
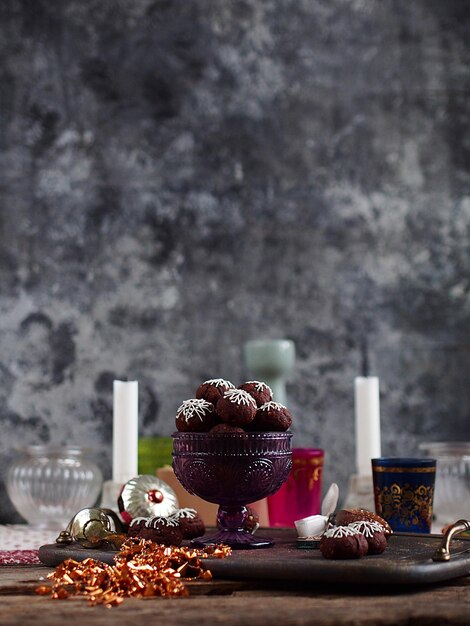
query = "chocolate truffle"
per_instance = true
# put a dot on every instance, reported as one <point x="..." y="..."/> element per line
<point x="162" y="530"/>
<point x="343" y="542"/>
<point x="196" y="416"/>
<point x="343" y="517"/>
<point x="226" y="428"/>
<point x="136" y="526"/>
<point x="374" y="535"/>
<point x="212" y="390"/>
<point x="260" y="391"/>
<point x="190" y="523"/>
<point x="271" y="416"/>
<point x="236" y="407"/>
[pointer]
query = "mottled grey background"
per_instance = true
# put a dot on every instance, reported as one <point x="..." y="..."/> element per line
<point x="178" y="177"/>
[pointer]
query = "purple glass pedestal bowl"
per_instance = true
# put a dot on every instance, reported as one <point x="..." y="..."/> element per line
<point x="232" y="470"/>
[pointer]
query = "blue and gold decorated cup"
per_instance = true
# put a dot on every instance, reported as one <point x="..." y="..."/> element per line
<point x="404" y="492"/>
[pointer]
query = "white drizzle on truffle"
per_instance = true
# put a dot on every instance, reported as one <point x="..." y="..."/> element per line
<point x="188" y="513"/>
<point x="267" y="406"/>
<point x="260" y="386"/>
<point x="166" y="521"/>
<point x="337" y="532"/>
<point x="368" y="529"/>
<point x="194" y="408"/>
<point x="240" y="397"/>
<point x="137" y="520"/>
<point x="219" y="382"/>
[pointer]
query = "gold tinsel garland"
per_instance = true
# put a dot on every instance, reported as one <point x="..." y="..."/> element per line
<point x="142" y="568"/>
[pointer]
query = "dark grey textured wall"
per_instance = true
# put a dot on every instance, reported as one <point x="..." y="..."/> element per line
<point x="180" y="176"/>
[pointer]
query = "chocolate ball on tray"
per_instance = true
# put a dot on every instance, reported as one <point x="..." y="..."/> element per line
<point x="236" y="407"/>
<point x="343" y="542"/>
<point x="271" y="416"/>
<point x="163" y="530"/>
<point x="136" y="526"/>
<point x="190" y="522"/>
<point x="196" y="416"/>
<point x="212" y="390"/>
<point x="343" y="517"/>
<point x="374" y="535"/>
<point x="261" y="392"/>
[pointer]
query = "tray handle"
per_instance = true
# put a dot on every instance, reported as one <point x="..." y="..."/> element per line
<point x="443" y="552"/>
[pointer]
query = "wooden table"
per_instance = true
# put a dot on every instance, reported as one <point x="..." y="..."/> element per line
<point x="243" y="602"/>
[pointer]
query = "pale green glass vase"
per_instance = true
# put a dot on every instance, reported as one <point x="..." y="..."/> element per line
<point x="271" y="361"/>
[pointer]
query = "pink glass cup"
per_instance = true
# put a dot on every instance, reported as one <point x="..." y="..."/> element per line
<point x="300" y="496"/>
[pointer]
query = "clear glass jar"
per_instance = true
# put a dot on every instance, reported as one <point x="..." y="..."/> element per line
<point x="452" y="496"/>
<point x="49" y="484"/>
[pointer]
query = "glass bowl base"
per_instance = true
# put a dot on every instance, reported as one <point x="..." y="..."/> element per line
<point x="236" y="539"/>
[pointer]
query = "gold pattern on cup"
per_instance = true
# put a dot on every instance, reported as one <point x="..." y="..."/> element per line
<point x="300" y="465"/>
<point x="411" y="505"/>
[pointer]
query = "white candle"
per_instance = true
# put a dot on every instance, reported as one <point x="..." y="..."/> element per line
<point x="367" y="408"/>
<point x="125" y="430"/>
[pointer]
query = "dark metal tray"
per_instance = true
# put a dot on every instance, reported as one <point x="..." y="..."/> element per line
<point x="407" y="561"/>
